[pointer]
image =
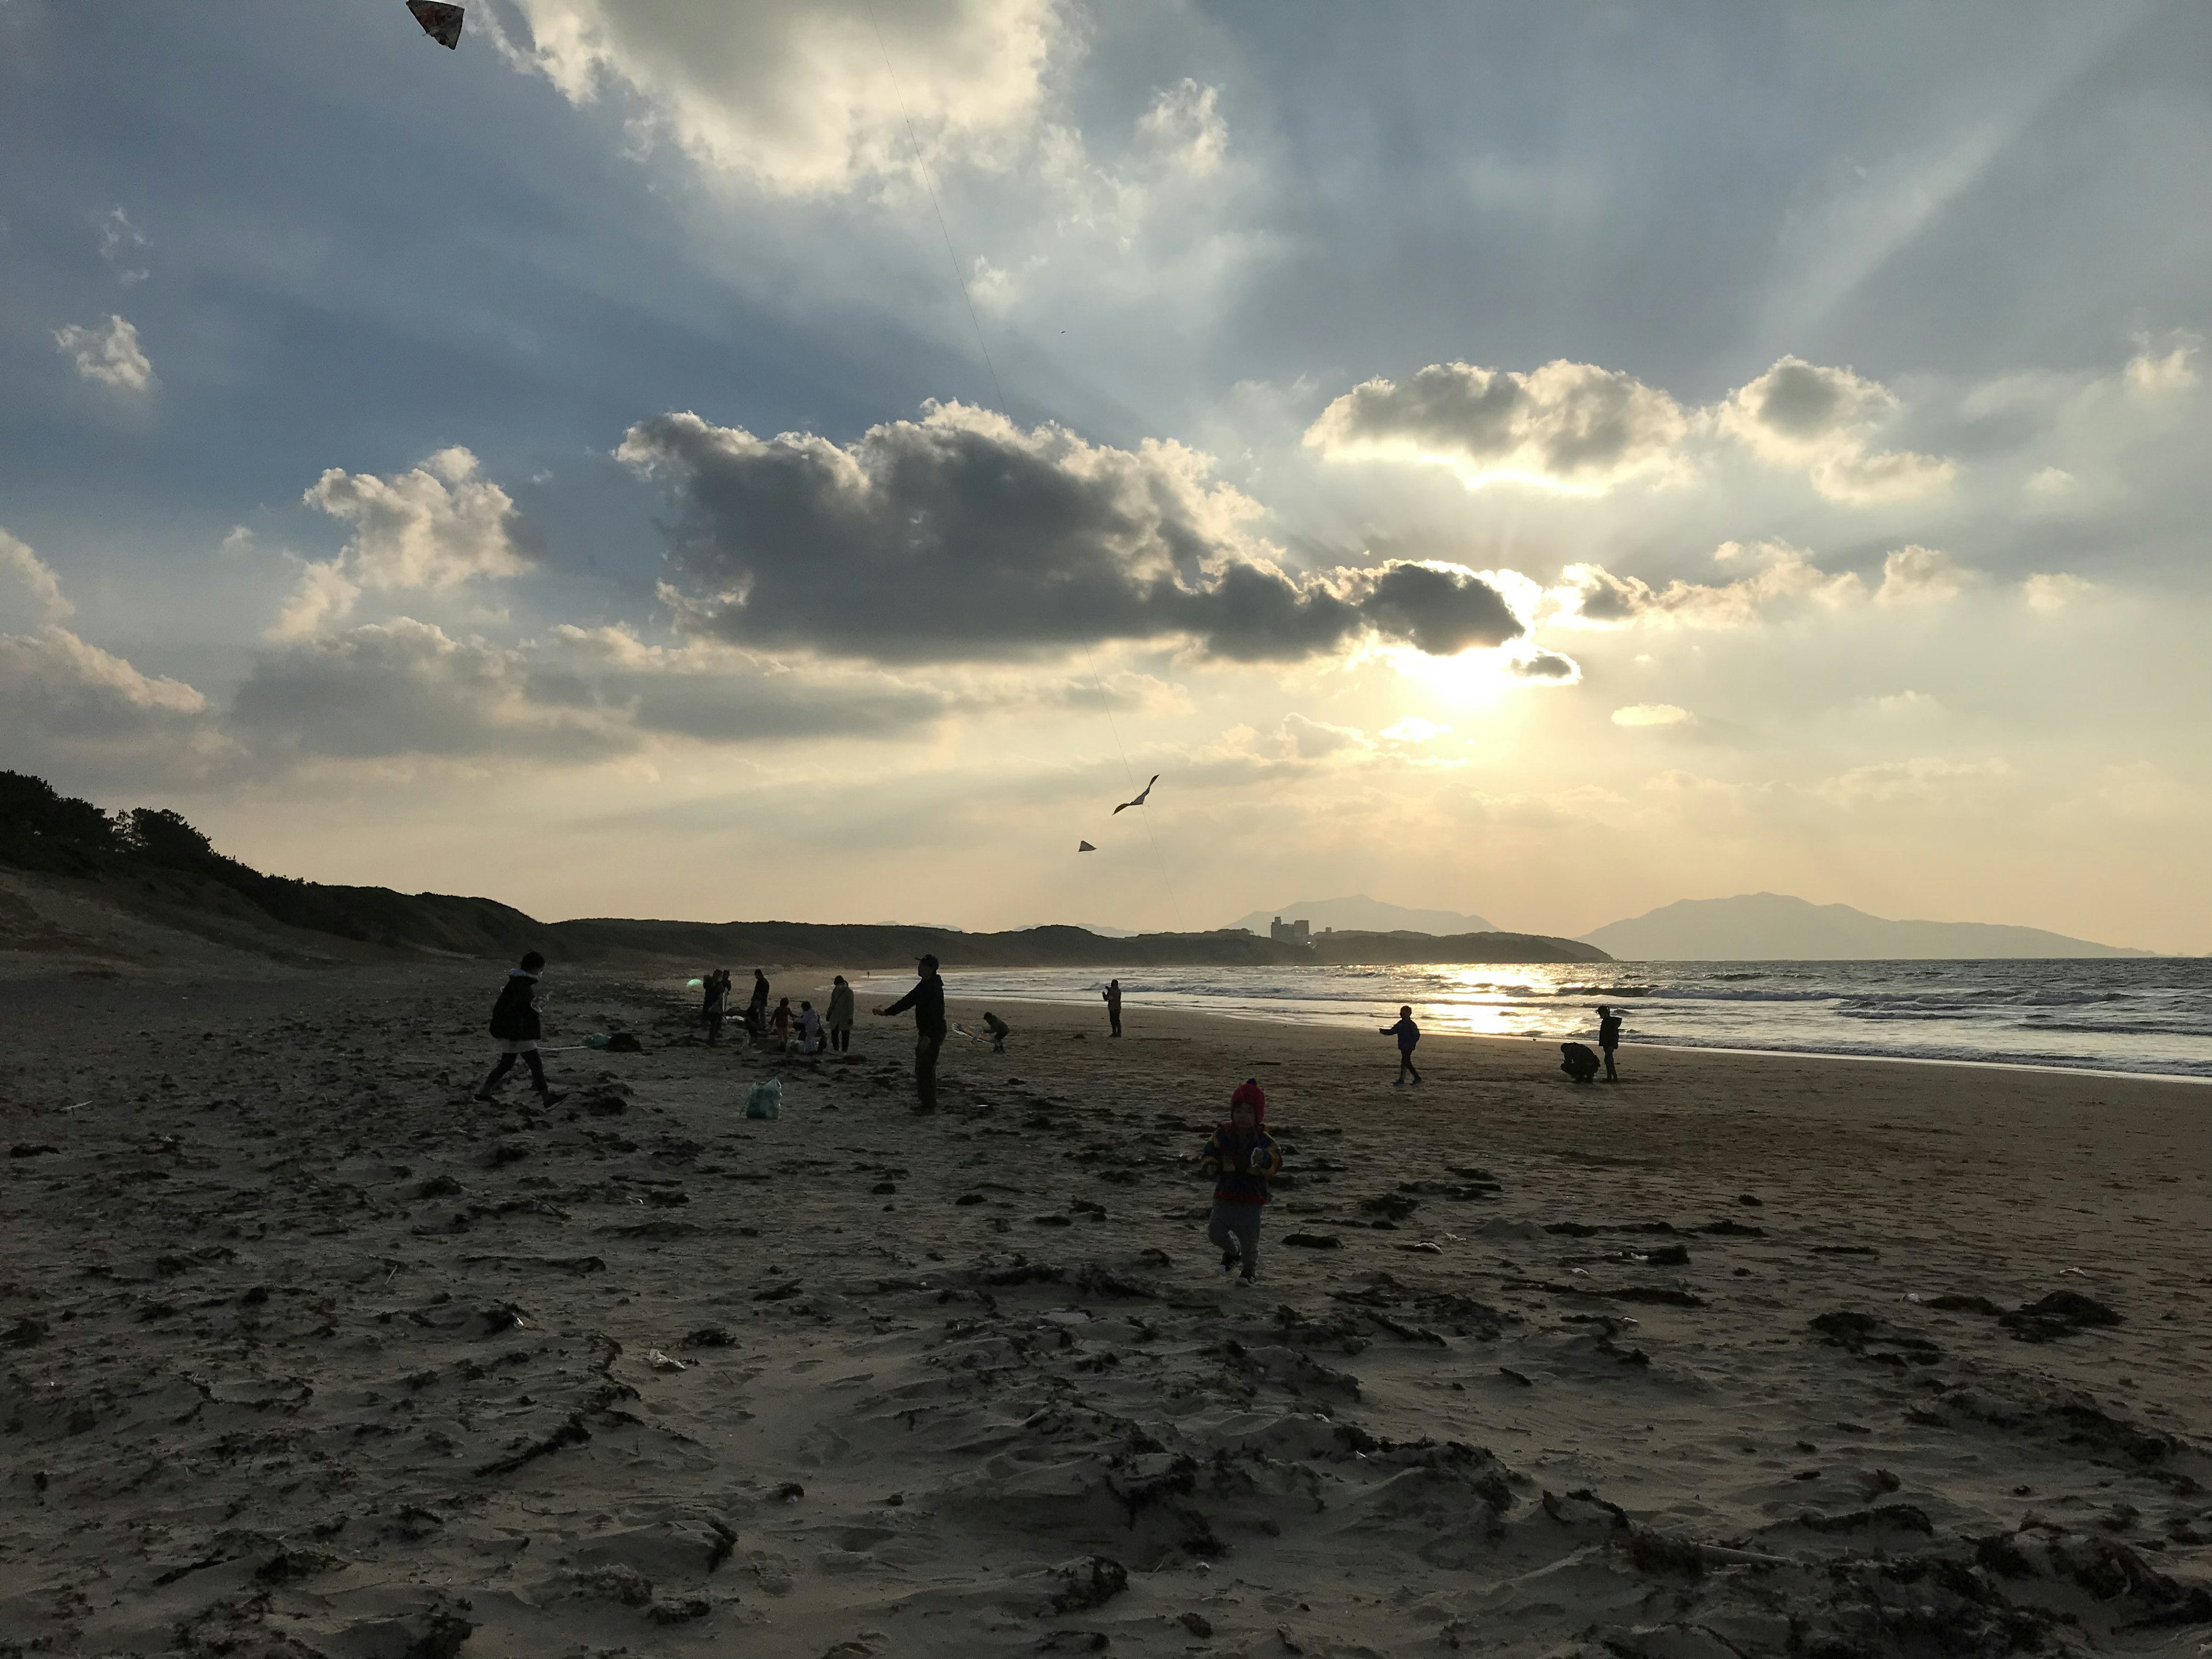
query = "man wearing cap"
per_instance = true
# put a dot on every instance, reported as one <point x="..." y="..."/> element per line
<point x="927" y="1001"/>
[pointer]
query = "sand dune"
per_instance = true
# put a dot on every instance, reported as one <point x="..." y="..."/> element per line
<point x="307" y="1354"/>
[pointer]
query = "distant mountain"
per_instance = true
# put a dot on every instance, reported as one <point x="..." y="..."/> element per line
<point x="1773" y="927"/>
<point x="1365" y="914"/>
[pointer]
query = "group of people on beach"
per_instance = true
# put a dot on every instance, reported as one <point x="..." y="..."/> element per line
<point x="1240" y="1157"/>
<point x="802" y="1030"/>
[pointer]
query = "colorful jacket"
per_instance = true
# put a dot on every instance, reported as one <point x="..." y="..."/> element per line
<point x="1239" y="1177"/>
<point x="514" y="1016"/>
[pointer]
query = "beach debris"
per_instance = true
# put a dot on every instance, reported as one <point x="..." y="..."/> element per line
<point x="790" y="1492"/>
<point x="1084" y="847"/>
<point x="1088" y="1580"/>
<point x="1311" y="1241"/>
<point x="1748" y="1200"/>
<point x="765" y="1099"/>
<point x="1198" y="1625"/>
<point x="661" y="1361"/>
<point x="1141" y="794"/>
<point x="440" y="22"/>
<point x="21" y="1150"/>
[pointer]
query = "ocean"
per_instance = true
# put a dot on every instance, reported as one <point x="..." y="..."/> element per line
<point x="2135" y="1014"/>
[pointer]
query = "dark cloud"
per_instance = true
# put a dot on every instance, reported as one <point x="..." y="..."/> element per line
<point x="1547" y="665"/>
<point x="959" y="538"/>
<point x="1574" y="425"/>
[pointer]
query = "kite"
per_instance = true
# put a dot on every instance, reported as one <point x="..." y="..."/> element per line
<point x="1141" y="793"/>
<point x="440" y="22"/>
<point x="1084" y="847"/>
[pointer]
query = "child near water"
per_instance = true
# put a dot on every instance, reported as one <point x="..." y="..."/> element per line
<point x="1242" y="1157"/>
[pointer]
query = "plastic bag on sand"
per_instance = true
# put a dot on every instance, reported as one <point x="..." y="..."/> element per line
<point x="765" y="1099"/>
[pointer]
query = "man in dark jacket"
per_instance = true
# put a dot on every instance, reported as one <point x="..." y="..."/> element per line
<point x="1608" y="1039"/>
<point x="515" y="1023"/>
<point x="1241" y="1157"/>
<point x="927" y="1001"/>
<point x="1112" y="994"/>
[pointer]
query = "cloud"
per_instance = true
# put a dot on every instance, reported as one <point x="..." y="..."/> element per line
<point x="76" y="709"/>
<point x="1184" y="128"/>
<point x="1546" y="665"/>
<point x="1414" y="729"/>
<point x="805" y="100"/>
<point x="119" y="242"/>
<point x="1922" y="781"/>
<point x="1311" y="739"/>
<point x="1800" y="414"/>
<point x="323" y="596"/>
<point x="36" y="580"/>
<point x="430" y="529"/>
<point x="1920" y="576"/>
<point x="2164" y="366"/>
<point x="961" y="537"/>
<point x="1565" y="426"/>
<point x="1653" y="714"/>
<point x="1591" y="594"/>
<point x="2052" y="481"/>
<point x="407" y="687"/>
<point x="109" y="355"/>
<point x="2052" y="591"/>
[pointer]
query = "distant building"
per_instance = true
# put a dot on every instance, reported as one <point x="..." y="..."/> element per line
<point x="1290" y="933"/>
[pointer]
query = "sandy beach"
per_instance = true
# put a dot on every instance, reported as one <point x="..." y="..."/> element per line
<point x="306" y="1353"/>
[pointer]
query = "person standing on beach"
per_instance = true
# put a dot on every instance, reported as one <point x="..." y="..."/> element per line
<point x="810" y="1029"/>
<point x="1113" y="996"/>
<point x="515" y="1022"/>
<point x="1408" y="1034"/>
<point x="712" y="1002"/>
<point x="927" y="1001"/>
<point x="1608" y="1039"/>
<point x="1242" y="1157"/>
<point x="840" y="1019"/>
<point x="780" y="1023"/>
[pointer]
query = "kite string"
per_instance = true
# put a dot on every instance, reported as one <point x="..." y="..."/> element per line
<point x="984" y="348"/>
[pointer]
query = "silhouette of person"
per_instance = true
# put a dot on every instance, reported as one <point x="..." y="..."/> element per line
<point x="1113" y="996"/>
<point x="927" y="1001"/>
<point x="841" y="1015"/>
<point x="1577" y="1061"/>
<point x="1608" y="1039"/>
<point x="999" y="1030"/>
<point x="1408" y="1034"/>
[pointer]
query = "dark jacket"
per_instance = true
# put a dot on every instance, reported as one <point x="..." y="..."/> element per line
<point x="1609" y="1031"/>
<point x="1408" y="1034"/>
<point x="513" y="1017"/>
<point x="1228" y="1158"/>
<point x="927" y="1001"/>
<point x="760" y="993"/>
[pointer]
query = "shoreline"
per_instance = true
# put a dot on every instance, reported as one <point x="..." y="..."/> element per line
<point x="1430" y="1035"/>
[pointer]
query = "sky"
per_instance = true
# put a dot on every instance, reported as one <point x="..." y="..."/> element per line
<point x="701" y="459"/>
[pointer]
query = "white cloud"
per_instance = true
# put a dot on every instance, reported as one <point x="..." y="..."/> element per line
<point x="1653" y="714"/>
<point x="431" y="528"/>
<point x="36" y="580"/>
<point x="805" y="100"/>
<point x="119" y="242"/>
<point x="1311" y="739"/>
<point x="2050" y="592"/>
<point x="1184" y="128"/>
<point x="1903" y="704"/>
<point x="74" y="708"/>
<point x="1571" y="427"/>
<point x="2052" y="481"/>
<point x="1920" y="576"/>
<point x="1825" y="420"/>
<point x="109" y="354"/>
<point x="1922" y="781"/>
<point x="1589" y="594"/>
<point x="1414" y="729"/>
<point x="2165" y="365"/>
<point x="322" y="596"/>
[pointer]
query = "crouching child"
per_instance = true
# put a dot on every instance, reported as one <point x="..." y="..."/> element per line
<point x="515" y="1022"/>
<point x="1242" y="1157"/>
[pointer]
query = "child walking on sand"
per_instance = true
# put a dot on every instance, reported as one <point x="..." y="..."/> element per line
<point x="515" y="1022"/>
<point x="1242" y="1157"/>
<point x="1408" y="1034"/>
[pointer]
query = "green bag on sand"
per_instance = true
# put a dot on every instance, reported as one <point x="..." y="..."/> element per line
<point x="765" y="1100"/>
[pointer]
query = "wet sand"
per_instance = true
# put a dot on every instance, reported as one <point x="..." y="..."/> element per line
<point x="304" y="1353"/>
